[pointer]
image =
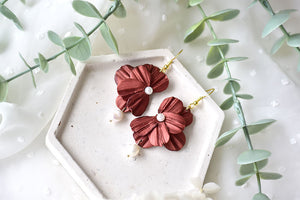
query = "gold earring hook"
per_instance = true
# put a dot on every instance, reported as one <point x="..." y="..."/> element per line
<point x="195" y="103"/>
<point x="166" y="66"/>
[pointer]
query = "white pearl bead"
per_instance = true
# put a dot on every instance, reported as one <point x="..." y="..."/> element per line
<point x="118" y="115"/>
<point x="135" y="149"/>
<point x="160" y="117"/>
<point x="148" y="90"/>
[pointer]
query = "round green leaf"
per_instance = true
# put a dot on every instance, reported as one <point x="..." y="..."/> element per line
<point x="43" y="63"/>
<point x="3" y="89"/>
<point x="249" y="168"/>
<point x="214" y="56"/>
<point x="259" y="125"/>
<point x="216" y="71"/>
<point x="195" y="2"/>
<point x="278" y="44"/>
<point x="245" y="96"/>
<point x="194" y="31"/>
<point x="109" y="37"/>
<point x="225" y="137"/>
<point x="227" y="104"/>
<point x="275" y="21"/>
<point x="243" y="180"/>
<point x="10" y="15"/>
<point x="81" y="51"/>
<point x="54" y="37"/>
<point x="218" y="42"/>
<point x="227" y="88"/>
<point x="294" y="40"/>
<point x="252" y="156"/>
<point x="260" y="196"/>
<point x="81" y="29"/>
<point x="85" y="8"/>
<point x="224" y="15"/>
<point x="269" y="175"/>
<point x="236" y="59"/>
<point x="121" y="11"/>
<point x="71" y="64"/>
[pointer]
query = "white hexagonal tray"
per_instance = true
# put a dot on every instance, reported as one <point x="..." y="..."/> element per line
<point x="94" y="150"/>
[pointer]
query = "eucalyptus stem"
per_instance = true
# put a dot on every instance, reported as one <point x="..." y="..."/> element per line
<point x="237" y="104"/>
<point x="266" y="4"/>
<point x="3" y="2"/>
<point x="109" y="13"/>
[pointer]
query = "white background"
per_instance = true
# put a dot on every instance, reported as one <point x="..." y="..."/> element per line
<point x="29" y="171"/>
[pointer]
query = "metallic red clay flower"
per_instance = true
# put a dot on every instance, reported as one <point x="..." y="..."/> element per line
<point x="166" y="128"/>
<point x="135" y="84"/>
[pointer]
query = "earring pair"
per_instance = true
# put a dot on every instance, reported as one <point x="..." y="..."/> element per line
<point x="134" y="86"/>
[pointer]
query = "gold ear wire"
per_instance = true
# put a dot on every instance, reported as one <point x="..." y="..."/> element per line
<point x="195" y="103"/>
<point x="166" y="66"/>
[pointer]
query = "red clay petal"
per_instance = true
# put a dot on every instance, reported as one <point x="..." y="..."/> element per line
<point x="174" y="122"/>
<point x="142" y="74"/>
<point x="176" y="142"/>
<point x="138" y="103"/>
<point x="155" y="138"/>
<point x="128" y="87"/>
<point x="142" y="126"/>
<point x="171" y="104"/>
<point x="163" y="132"/>
<point x="159" y="80"/>
<point x="188" y="116"/>
<point x="122" y="104"/>
<point x="123" y="73"/>
<point x="150" y="67"/>
<point x="142" y="141"/>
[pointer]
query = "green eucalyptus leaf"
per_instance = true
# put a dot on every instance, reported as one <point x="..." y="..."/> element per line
<point x="71" y="64"/>
<point x="241" y="181"/>
<point x="28" y="66"/>
<point x="85" y="8"/>
<point x="10" y="15"/>
<point x="214" y="56"/>
<point x="194" y="31"/>
<point x="269" y="175"/>
<point x="249" y="168"/>
<point x="3" y="89"/>
<point x="251" y="156"/>
<point x="224" y="15"/>
<point x="121" y="11"/>
<point x="23" y="1"/>
<point x="194" y="2"/>
<point x="81" y="29"/>
<point x="278" y="44"/>
<point x="109" y="37"/>
<point x="259" y="125"/>
<point x="227" y="88"/>
<point x="294" y="40"/>
<point x="236" y="59"/>
<point x="227" y="104"/>
<point x="216" y="71"/>
<point x="54" y="37"/>
<point x="43" y="63"/>
<point x="275" y="21"/>
<point x="260" y="196"/>
<point x="225" y="137"/>
<point x="80" y="51"/>
<point x="245" y="96"/>
<point x="252" y="3"/>
<point x="218" y="42"/>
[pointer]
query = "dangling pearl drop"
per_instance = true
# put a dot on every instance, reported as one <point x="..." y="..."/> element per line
<point x="118" y="115"/>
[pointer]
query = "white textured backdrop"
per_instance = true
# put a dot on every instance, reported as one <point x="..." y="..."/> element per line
<point x="29" y="171"/>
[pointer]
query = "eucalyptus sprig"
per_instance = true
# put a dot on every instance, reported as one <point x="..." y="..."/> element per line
<point x="6" y="12"/>
<point x="276" y="21"/>
<point x="77" y="47"/>
<point x="252" y="160"/>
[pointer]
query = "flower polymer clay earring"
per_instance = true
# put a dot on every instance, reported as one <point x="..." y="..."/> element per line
<point x="165" y="128"/>
<point x="136" y="84"/>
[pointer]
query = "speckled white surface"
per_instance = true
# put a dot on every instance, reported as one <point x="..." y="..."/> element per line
<point x="273" y="81"/>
